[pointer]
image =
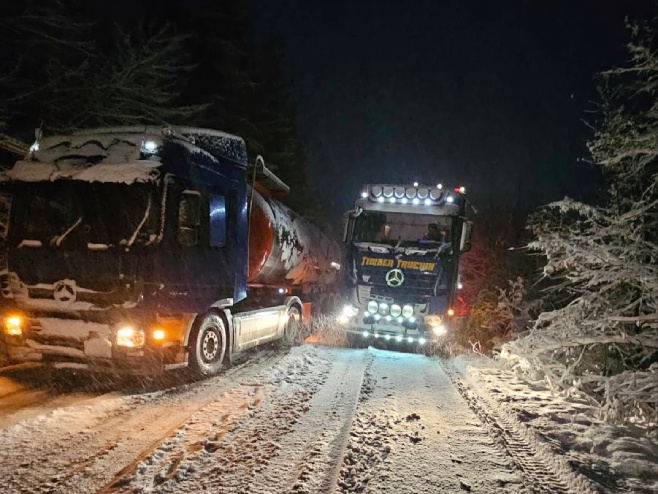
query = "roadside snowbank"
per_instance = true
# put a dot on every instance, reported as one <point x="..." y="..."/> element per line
<point x="614" y="458"/>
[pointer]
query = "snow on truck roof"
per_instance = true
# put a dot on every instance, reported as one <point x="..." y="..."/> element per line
<point x="219" y="144"/>
<point x="121" y="173"/>
<point x="114" y="154"/>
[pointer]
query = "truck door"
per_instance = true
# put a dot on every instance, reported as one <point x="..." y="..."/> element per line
<point x="194" y="261"/>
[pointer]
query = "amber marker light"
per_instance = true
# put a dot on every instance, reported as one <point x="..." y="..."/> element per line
<point x="14" y="325"/>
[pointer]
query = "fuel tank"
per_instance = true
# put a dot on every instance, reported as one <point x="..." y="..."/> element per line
<point x="284" y="249"/>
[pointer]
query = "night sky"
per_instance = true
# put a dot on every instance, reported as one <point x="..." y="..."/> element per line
<point x="490" y="95"/>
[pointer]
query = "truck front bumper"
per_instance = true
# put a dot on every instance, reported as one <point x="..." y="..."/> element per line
<point x="70" y="343"/>
<point x="393" y="333"/>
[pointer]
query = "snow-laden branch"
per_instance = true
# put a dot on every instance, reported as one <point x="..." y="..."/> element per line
<point x="601" y="339"/>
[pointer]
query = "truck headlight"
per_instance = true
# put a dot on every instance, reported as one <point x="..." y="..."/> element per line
<point x="373" y="307"/>
<point x="383" y="309"/>
<point x="396" y="310"/>
<point x="14" y="325"/>
<point x="407" y="311"/>
<point x="439" y="330"/>
<point x="433" y="320"/>
<point x="130" y="337"/>
<point x="349" y="310"/>
<point x="346" y="315"/>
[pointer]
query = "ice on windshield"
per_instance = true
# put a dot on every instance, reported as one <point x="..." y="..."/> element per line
<point x="402" y="229"/>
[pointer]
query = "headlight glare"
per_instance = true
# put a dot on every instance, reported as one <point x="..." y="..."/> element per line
<point x="343" y="320"/>
<point x="433" y="320"/>
<point x="439" y="330"/>
<point x="14" y="325"/>
<point x="349" y="310"/>
<point x="129" y="337"/>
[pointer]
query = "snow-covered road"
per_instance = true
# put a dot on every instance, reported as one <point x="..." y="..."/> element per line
<point x="311" y="420"/>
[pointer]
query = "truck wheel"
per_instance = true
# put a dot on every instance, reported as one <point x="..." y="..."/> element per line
<point x="208" y="346"/>
<point x="292" y="333"/>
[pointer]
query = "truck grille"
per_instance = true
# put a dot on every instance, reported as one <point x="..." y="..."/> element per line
<point x="415" y="289"/>
<point x="57" y="341"/>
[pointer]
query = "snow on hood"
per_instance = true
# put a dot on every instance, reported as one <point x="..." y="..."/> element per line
<point x="126" y="173"/>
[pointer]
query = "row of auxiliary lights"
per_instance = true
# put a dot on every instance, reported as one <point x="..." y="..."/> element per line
<point x="416" y="194"/>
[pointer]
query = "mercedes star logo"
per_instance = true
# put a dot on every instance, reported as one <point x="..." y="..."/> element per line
<point x="64" y="291"/>
<point x="394" y="277"/>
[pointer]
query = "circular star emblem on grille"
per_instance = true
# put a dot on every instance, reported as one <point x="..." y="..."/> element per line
<point x="394" y="277"/>
<point x="64" y="291"/>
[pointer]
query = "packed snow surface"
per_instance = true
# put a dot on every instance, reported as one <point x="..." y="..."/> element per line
<point x="309" y="420"/>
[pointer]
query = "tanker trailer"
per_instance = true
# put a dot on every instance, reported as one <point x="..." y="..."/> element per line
<point x="130" y="249"/>
<point x="290" y="254"/>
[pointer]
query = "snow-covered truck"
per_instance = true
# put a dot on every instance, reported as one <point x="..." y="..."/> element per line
<point x="148" y="249"/>
<point x="403" y="248"/>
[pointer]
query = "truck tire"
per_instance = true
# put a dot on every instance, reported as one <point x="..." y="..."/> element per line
<point x="292" y="333"/>
<point x="208" y="345"/>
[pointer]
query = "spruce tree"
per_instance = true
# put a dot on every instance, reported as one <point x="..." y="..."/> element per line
<point x="601" y="340"/>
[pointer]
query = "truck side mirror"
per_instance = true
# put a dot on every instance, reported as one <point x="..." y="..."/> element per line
<point x="348" y="224"/>
<point x="465" y="242"/>
<point x="189" y="218"/>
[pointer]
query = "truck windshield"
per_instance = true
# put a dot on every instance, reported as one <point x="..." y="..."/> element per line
<point x="402" y="229"/>
<point x="73" y="215"/>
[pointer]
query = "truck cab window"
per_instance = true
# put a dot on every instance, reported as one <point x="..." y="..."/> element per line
<point x="217" y="219"/>
<point x="189" y="218"/>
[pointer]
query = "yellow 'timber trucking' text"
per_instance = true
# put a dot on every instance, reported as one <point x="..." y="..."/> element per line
<point x="397" y="263"/>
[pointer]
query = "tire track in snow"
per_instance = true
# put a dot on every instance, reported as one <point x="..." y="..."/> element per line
<point x="80" y="448"/>
<point x="228" y="444"/>
<point x="542" y="468"/>
<point x="412" y="433"/>
<point x="369" y="444"/>
<point x="288" y="437"/>
<point x="338" y="401"/>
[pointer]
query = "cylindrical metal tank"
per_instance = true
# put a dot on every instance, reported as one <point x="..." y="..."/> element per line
<point x="286" y="249"/>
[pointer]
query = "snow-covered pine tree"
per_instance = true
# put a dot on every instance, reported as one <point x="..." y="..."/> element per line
<point x="601" y="341"/>
<point x="65" y="69"/>
<point x="139" y="82"/>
